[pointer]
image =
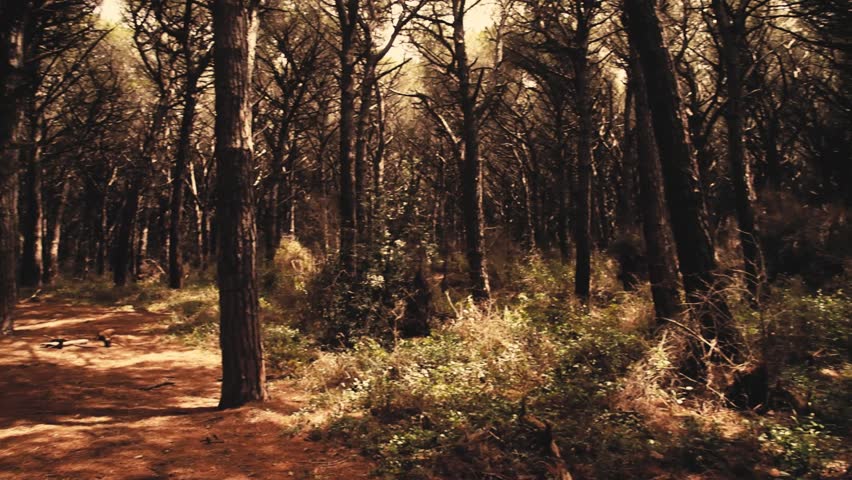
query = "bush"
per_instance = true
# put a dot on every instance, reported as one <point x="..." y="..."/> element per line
<point x="457" y="402"/>
<point x="285" y="281"/>
<point x="814" y="243"/>
<point x="286" y="348"/>
<point x="389" y="298"/>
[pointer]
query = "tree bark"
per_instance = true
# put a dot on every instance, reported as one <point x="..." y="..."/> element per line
<point x="583" y="207"/>
<point x="348" y="17"/>
<point x="662" y="266"/>
<point x="695" y="249"/>
<point x="471" y="171"/>
<point x="243" y="373"/>
<point x="12" y="19"/>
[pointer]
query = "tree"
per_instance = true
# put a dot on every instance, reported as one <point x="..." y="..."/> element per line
<point x="190" y="33"/>
<point x="695" y="249"/>
<point x="12" y="20"/>
<point x="347" y="17"/>
<point x="562" y="31"/>
<point x="235" y="24"/>
<point x="662" y="266"/>
<point x="295" y="70"/>
<point x="440" y="38"/>
<point x="58" y="37"/>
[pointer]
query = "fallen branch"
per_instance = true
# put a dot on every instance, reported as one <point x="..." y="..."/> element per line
<point x="159" y="385"/>
<point x="60" y="343"/>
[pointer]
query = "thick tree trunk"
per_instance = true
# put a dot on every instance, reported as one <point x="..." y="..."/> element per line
<point x="243" y="372"/>
<point x="583" y="206"/>
<point x="348" y="227"/>
<point x="12" y="19"/>
<point x="471" y="171"/>
<point x="178" y="187"/>
<point x="732" y="31"/>
<point x="695" y="250"/>
<point x="662" y="266"/>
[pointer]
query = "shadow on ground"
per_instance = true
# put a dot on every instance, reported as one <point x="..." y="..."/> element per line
<point x="143" y="408"/>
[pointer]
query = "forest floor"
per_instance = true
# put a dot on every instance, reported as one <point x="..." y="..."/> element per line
<point x="143" y="408"/>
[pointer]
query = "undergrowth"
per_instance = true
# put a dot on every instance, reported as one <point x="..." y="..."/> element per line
<point x="533" y="382"/>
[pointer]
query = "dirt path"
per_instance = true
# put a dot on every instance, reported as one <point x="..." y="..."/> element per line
<point x="90" y="412"/>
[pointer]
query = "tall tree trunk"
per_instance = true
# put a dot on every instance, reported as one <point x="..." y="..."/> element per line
<point x="583" y="207"/>
<point x="662" y="266"/>
<point x="732" y="30"/>
<point x="31" y="224"/>
<point x="471" y="171"/>
<point x="12" y="20"/>
<point x="348" y="17"/>
<point x="123" y="247"/>
<point x="235" y="25"/>
<point x="184" y="151"/>
<point x="54" y="233"/>
<point x="695" y="250"/>
<point x="361" y="167"/>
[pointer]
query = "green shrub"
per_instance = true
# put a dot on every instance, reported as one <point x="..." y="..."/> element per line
<point x="798" y="446"/>
<point x="286" y="348"/>
<point x="457" y="397"/>
<point x="285" y="280"/>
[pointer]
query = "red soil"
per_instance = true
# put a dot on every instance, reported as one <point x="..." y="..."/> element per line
<point x="89" y="412"/>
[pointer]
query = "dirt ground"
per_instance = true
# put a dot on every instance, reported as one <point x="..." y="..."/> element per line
<point x="144" y="408"/>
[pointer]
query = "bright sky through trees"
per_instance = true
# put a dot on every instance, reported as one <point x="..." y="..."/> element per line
<point x="110" y="10"/>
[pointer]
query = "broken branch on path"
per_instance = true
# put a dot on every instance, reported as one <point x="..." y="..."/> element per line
<point x="60" y="343"/>
<point x="154" y="387"/>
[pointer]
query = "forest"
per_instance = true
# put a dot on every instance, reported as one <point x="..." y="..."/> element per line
<point x="425" y="239"/>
